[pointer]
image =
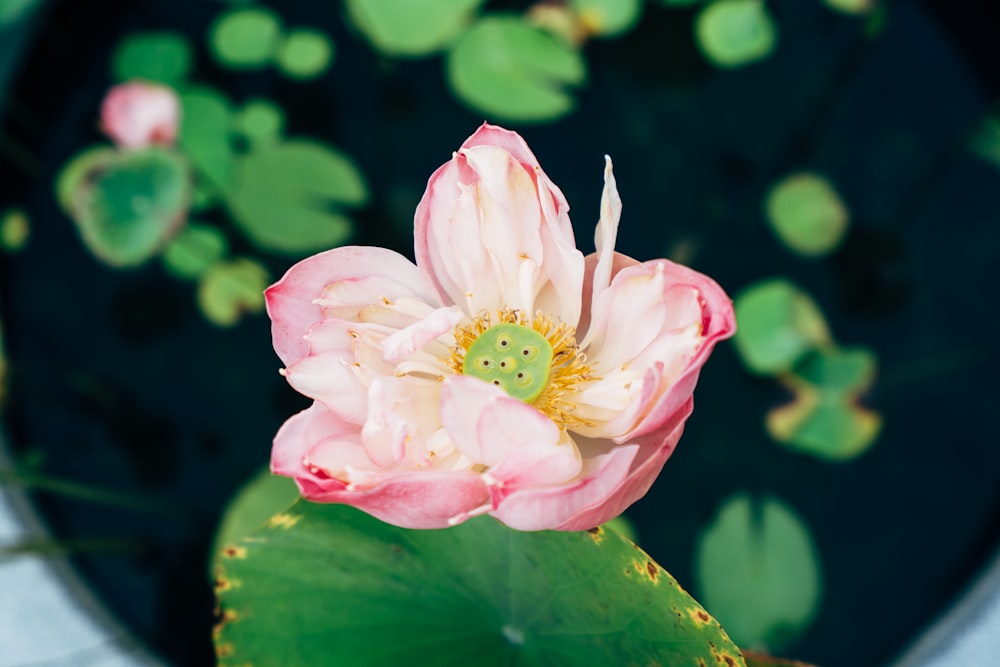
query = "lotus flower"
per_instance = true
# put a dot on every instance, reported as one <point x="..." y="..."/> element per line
<point x="138" y="114"/>
<point x="504" y="373"/>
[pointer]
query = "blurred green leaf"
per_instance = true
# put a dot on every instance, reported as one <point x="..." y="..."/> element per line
<point x="507" y="68"/>
<point x="608" y="18"/>
<point x="758" y="570"/>
<point x="850" y="6"/>
<point x="322" y="584"/>
<point x="257" y="501"/>
<point x="228" y="290"/>
<point x="777" y="324"/>
<point x="412" y="27"/>
<point x="194" y="250"/>
<point x="12" y="11"/>
<point x="807" y="214"/>
<point x="288" y="197"/>
<point x="153" y="56"/>
<point x="621" y="525"/>
<point x="14" y="229"/>
<point x="245" y="38"/>
<point x="126" y="204"/>
<point x="261" y="122"/>
<point x="206" y="122"/>
<point x="679" y="3"/>
<point x="734" y="33"/>
<point x="305" y="54"/>
<point x="825" y="419"/>
<point x="986" y="140"/>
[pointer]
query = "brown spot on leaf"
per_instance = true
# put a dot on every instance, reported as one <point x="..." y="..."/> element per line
<point x="651" y="569"/>
<point x="223" y="650"/>
<point x="234" y="552"/>
<point x="225" y="618"/>
<point x="596" y="534"/>
<point x="222" y="584"/>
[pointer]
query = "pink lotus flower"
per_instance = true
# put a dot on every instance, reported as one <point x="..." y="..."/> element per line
<point x="504" y="373"/>
<point x="138" y="114"/>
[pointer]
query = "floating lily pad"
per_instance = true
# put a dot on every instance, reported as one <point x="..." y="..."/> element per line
<point x="778" y="325"/>
<point x="289" y="197"/>
<point x="825" y="418"/>
<point x="205" y="127"/>
<point x="734" y="33"/>
<point x="607" y="18"/>
<point x="153" y="56"/>
<point x="305" y="54"/>
<point x="260" y="121"/>
<point x="228" y="290"/>
<point x="14" y="230"/>
<point x="245" y="38"/>
<point x="323" y="584"/>
<point x="807" y="214"/>
<point x="412" y="27"/>
<point x="758" y="570"/>
<point x="126" y="204"/>
<point x="194" y="250"/>
<point x="507" y="68"/>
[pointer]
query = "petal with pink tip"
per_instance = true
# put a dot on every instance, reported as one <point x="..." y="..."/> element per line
<point x="292" y="301"/>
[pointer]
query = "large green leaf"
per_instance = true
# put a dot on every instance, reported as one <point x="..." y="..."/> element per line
<point x="509" y="69"/>
<point x="329" y="585"/>
<point x="758" y="570"/>
<point x="288" y="197"/>
<point x="126" y="204"/>
<point x="411" y="27"/>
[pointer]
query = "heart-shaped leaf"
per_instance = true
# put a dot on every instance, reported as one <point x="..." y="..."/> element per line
<point x="330" y="585"/>
<point x="289" y="197"/>
<point x="126" y="204"/>
<point x="758" y="570"/>
<point x="228" y="290"/>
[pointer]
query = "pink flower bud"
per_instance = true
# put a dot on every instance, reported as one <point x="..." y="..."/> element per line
<point x="138" y="114"/>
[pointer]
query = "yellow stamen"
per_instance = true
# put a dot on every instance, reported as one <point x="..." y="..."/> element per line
<point x="569" y="366"/>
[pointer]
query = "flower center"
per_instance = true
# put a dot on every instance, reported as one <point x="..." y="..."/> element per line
<point x="513" y="357"/>
<point x="536" y="361"/>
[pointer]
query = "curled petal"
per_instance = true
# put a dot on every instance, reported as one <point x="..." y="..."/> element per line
<point x="363" y="276"/>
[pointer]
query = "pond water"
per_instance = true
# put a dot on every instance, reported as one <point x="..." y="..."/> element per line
<point x="118" y="382"/>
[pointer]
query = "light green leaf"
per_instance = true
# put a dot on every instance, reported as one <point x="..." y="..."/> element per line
<point x="12" y="11"/>
<point x="194" y="250"/>
<point x="126" y="204"/>
<point x="261" y="122"/>
<point x="153" y="56"/>
<point x="228" y="290"/>
<point x="289" y="197"/>
<point x="825" y="419"/>
<point x="245" y="38"/>
<point x="507" y="68"/>
<point x="305" y="54"/>
<point x="412" y="27"/>
<point x="777" y="324"/>
<point x="608" y="18"/>
<point x="14" y="230"/>
<point x="758" y="570"/>
<point x="733" y="33"/>
<point x="205" y="126"/>
<point x="328" y="585"/>
<point x="807" y="214"/>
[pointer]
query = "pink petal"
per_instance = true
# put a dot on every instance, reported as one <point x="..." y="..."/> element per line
<point x="402" y="416"/>
<point x="492" y="231"/>
<point x="533" y="465"/>
<point x="487" y="425"/>
<point x="373" y="273"/>
<point x="303" y="433"/>
<point x="406" y="341"/>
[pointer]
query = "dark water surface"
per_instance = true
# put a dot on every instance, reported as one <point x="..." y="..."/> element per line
<point x="117" y="381"/>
